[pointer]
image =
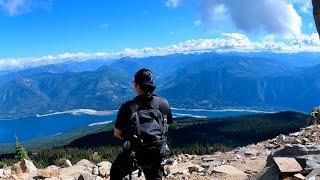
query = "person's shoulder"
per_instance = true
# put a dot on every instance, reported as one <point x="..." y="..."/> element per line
<point x="127" y="104"/>
<point x="162" y="101"/>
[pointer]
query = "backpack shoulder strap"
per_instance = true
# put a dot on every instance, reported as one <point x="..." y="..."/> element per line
<point x="134" y="107"/>
<point x="155" y="102"/>
<point x="163" y="121"/>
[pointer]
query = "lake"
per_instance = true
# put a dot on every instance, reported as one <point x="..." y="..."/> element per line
<point x="60" y="122"/>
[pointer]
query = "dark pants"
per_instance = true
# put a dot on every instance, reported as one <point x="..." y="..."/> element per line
<point x="122" y="165"/>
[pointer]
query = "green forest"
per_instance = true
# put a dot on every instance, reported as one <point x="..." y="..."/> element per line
<point x="186" y="135"/>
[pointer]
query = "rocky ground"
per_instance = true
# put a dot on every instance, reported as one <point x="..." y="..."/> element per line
<point x="293" y="156"/>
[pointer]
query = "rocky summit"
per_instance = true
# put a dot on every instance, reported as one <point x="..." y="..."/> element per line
<point x="293" y="156"/>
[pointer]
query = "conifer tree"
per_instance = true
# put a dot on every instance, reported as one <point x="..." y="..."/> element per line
<point x="2" y="165"/>
<point x="21" y="152"/>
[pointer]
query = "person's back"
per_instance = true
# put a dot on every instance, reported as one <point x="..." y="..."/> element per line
<point x="143" y="123"/>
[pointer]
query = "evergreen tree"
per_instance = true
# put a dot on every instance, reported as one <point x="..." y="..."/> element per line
<point x="21" y="152"/>
<point x="2" y="165"/>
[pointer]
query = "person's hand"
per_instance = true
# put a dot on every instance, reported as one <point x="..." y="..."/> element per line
<point x="117" y="133"/>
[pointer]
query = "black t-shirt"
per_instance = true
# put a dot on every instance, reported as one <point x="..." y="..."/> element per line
<point x="124" y="113"/>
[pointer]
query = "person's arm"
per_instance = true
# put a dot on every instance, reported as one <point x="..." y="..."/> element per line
<point x="117" y="133"/>
<point x="170" y="118"/>
<point x="169" y="114"/>
<point x="121" y="122"/>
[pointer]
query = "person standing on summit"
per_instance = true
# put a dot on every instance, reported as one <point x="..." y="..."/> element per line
<point x="143" y="124"/>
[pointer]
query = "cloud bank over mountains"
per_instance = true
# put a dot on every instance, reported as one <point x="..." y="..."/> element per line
<point x="273" y="16"/>
<point x="227" y="42"/>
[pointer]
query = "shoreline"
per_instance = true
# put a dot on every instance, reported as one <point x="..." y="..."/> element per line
<point x="225" y="110"/>
<point x="75" y="112"/>
<point x="100" y="123"/>
<point x="93" y="112"/>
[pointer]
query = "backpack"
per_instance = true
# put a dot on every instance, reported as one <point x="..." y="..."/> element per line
<point x="149" y="129"/>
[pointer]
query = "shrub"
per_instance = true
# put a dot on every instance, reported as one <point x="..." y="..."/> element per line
<point x="2" y="165"/>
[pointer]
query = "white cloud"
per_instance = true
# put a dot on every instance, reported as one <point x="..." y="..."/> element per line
<point x="227" y="42"/>
<point x="310" y="26"/>
<point x="18" y="7"/>
<point x="197" y="23"/>
<point x="273" y="16"/>
<point x="306" y="7"/>
<point x="173" y="3"/>
<point x="15" y="7"/>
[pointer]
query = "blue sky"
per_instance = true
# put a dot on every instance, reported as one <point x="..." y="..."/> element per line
<point x="37" y="28"/>
<point x="96" y="25"/>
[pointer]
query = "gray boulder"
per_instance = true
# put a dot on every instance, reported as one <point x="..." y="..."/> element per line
<point x="281" y="138"/>
<point x="7" y="171"/>
<point x="296" y="150"/>
<point x="314" y="175"/>
<point x="246" y="151"/>
<point x="85" y="163"/>
<point x="86" y="176"/>
<point x="52" y="167"/>
<point x="95" y="170"/>
<point x="268" y="173"/>
<point x="309" y="162"/>
<point x="67" y="163"/>
<point x="24" y="166"/>
<point x="230" y="170"/>
<point x="213" y="165"/>
<point x="104" y="168"/>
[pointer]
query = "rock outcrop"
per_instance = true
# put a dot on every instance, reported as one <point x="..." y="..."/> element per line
<point x="26" y="170"/>
<point x="292" y="156"/>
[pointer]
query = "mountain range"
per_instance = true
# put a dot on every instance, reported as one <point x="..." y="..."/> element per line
<point x="202" y="80"/>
